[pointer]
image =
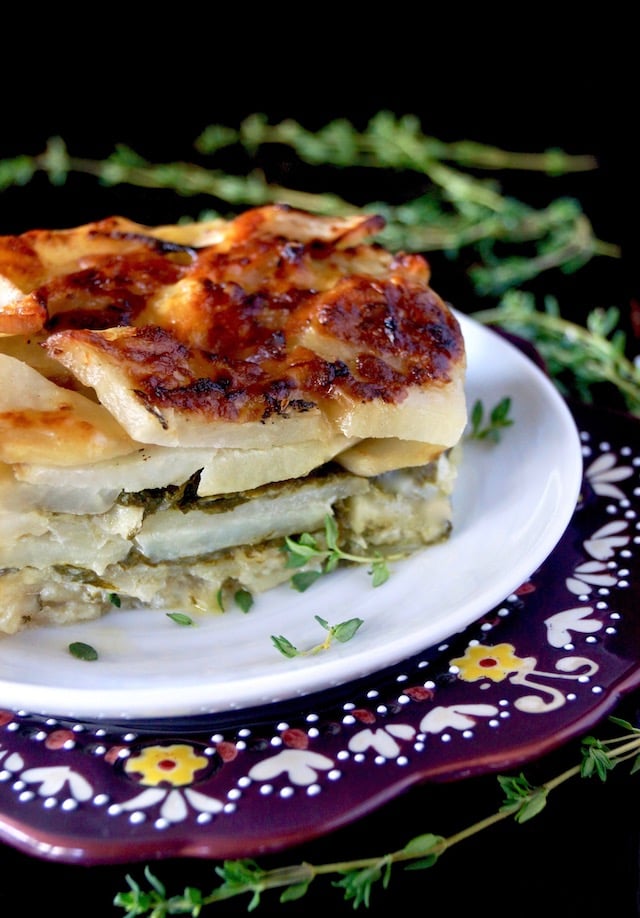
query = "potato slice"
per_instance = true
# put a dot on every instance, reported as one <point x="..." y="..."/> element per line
<point x="19" y="314"/>
<point x="94" y="488"/>
<point x="119" y="363"/>
<point x="374" y="457"/>
<point x="41" y="422"/>
<point x="244" y="469"/>
<point x="436" y="415"/>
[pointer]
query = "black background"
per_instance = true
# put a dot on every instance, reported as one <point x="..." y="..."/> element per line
<point x="580" y="856"/>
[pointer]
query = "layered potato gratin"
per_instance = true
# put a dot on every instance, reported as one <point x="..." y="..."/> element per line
<point x="176" y="400"/>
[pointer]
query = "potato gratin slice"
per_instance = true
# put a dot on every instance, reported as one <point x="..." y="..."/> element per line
<point x="175" y="400"/>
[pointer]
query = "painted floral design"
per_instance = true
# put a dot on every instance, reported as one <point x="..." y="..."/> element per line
<point x="382" y="741"/>
<point x="174" y="805"/>
<point x="603" y="472"/>
<point x="301" y="767"/>
<point x="49" y="780"/>
<point x="588" y="576"/>
<point x="176" y="764"/>
<point x="456" y="717"/>
<point x="52" y="781"/>
<point x="601" y="547"/>
<point x="603" y="543"/>
<point x="494" y="663"/>
<point x="561" y="625"/>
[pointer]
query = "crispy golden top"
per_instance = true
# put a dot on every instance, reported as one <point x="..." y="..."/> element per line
<point x="271" y="314"/>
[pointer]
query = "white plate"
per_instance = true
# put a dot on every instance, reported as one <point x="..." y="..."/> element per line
<point x="512" y="502"/>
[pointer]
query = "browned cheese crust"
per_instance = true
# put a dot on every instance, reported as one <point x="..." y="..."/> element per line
<point x="273" y="313"/>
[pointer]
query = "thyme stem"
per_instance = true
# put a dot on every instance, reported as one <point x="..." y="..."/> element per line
<point x="358" y="875"/>
<point x="457" y="211"/>
<point x="582" y="350"/>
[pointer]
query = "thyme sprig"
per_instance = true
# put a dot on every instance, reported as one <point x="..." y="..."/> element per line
<point x="387" y="141"/>
<point x="498" y="420"/>
<point x="306" y="548"/>
<point x="356" y="879"/>
<point x="342" y="632"/>
<point x="458" y="210"/>
<point x="454" y="210"/>
<point x="577" y="357"/>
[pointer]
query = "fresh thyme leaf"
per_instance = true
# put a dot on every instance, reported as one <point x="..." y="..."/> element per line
<point x="346" y="630"/>
<point x="301" y="550"/>
<point x="426" y="849"/>
<point x="595" y="758"/>
<point x="180" y="618"/>
<point x="625" y="724"/>
<point x="379" y="572"/>
<point x="157" y="885"/>
<point x="533" y="806"/>
<point x="331" y="533"/>
<point x="243" y="599"/>
<point x="303" y="580"/>
<point x="83" y="651"/>
<point x="333" y="559"/>
<point x="306" y="548"/>
<point x="284" y="645"/>
<point x="498" y="420"/>
<point x="521" y="798"/>
<point x="357" y="884"/>
<point x="500" y="412"/>
<point x="294" y="892"/>
<point x="342" y="632"/>
<point x="515" y="789"/>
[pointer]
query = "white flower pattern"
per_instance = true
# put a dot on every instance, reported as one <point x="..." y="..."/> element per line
<point x="560" y="625"/>
<point x="589" y="575"/>
<point x="602" y="472"/>
<point x="456" y="717"/>
<point x="382" y="740"/>
<point x="603" y="543"/>
<point x="174" y="803"/>
<point x="300" y="765"/>
<point x="52" y="780"/>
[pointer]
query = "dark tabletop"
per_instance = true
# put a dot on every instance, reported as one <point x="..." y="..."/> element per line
<point x="580" y="855"/>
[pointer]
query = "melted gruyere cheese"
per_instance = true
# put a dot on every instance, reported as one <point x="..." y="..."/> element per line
<point x="271" y="328"/>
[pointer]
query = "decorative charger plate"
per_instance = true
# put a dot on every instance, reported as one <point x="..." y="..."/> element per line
<point x="533" y="669"/>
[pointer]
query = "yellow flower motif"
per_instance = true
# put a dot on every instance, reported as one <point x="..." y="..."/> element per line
<point x="175" y="764"/>
<point x="495" y="663"/>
